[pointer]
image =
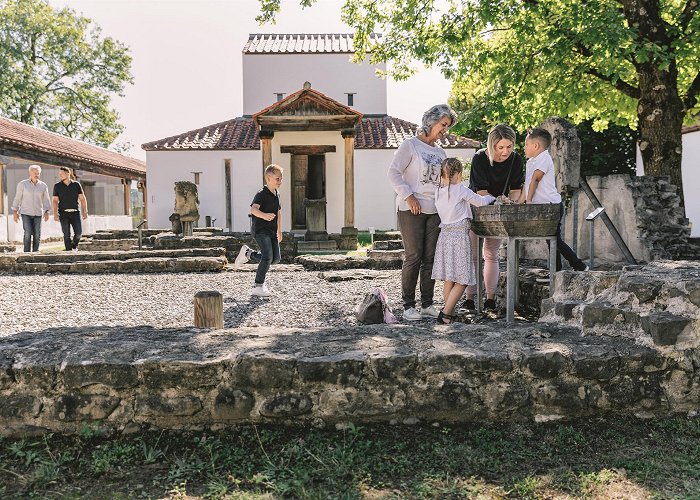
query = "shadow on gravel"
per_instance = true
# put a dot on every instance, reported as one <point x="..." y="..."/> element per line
<point x="237" y="311"/>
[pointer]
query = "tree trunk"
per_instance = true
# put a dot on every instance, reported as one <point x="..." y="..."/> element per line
<point x="660" y="113"/>
<point x="660" y="109"/>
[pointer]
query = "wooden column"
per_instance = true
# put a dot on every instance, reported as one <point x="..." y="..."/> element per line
<point x="208" y="310"/>
<point x="144" y="190"/>
<point x="266" y="145"/>
<point x="227" y="191"/>
<point x="126" y="183"/>
<point x="3" y="191"/>
<point x="349" y="136"/>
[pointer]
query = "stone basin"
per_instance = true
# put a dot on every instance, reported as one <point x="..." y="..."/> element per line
<point x="516" y="220"/>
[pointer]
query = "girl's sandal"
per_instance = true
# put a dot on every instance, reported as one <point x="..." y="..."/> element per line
<point x="442" y="317"/>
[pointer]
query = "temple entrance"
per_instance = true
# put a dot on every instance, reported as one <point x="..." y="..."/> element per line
<point x="308" y="188"/>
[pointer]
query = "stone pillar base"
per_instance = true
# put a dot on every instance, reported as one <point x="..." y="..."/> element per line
<point x="348" y="238"/>
<point x="316" y="236"/>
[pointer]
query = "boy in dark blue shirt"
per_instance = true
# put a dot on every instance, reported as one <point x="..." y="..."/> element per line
<point x="267" y="229"/>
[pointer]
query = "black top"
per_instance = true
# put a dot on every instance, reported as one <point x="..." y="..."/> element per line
<point x="270" y="204"/>
<point x="493" y="178"/>
<point x="67" y="195"/>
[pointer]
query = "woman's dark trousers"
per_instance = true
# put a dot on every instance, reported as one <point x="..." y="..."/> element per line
<point x="420" y="234"/>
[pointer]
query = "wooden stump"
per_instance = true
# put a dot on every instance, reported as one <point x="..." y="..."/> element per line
<point x="208" y="310"/>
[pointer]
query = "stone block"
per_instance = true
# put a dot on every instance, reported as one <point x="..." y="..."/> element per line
<point x="179" y="375"/>
<point x="116" y="376"/>
<point x="286" y="405"/>
<point x="388" y="245"/>
<point x="164" y="406"/>
<point x="336" y="369"/>
<point x="570" y="398"/>
<point x="7" y="377"/>
<point x="394" y="368"/>
<point x="17" y="406"/>
<point x="232" y="405"/>
<point x="604" y="314"/>
<point x="505" y="398"/>
<point x="643" y="288"/>
<point x="627" y="392"/>
<point x="595" y="362"/>
<point x="78" y="406"/>
<point x="544" y="363"/>
<point x="664" y="327"/>
<point x="565" y="309"/>
<point x="263" y="372"/>
<point x="36" y="376"/>
<point x="7" y="262"/>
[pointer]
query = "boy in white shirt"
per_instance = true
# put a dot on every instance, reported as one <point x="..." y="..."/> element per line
<point x="541" y="187"/>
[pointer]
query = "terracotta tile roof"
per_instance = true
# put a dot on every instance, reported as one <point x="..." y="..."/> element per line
<point x="32" y="138"/>
<point x="373" y="132"/>
<point x="239" y="133"/>
<point x="387" y="132"/>
<point x="690" y="128"/>
<point x="301" y="43"/>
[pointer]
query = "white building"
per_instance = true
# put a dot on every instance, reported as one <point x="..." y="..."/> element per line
<point x="690" y="166"/>
<point x="308" y="108"/>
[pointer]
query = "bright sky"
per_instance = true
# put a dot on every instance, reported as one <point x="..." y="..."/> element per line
<point x="187" y="60"/>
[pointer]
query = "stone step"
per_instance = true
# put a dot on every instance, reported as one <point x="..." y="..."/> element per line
<point x="309" y="246"/>
<point x="337" y="262"/>
<point x="70" y="257"/>
<point x="139" y="265"/>
<point x="386" y="255"/>
<point x="388" y="245"/>
<point x="110" y="244"/>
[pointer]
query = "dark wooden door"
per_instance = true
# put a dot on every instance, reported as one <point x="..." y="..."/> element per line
<point x="300" y="173"/>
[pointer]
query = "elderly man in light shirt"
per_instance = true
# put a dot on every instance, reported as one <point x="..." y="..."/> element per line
<point x="32" y="201"/>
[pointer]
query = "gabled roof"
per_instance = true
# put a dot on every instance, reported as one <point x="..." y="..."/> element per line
<point x="302" y="43"/>
<point x="690" y="128"/>
<point x="20" y="136"/>
<point x="373" y="132"/>
<point x="307" y="109"/>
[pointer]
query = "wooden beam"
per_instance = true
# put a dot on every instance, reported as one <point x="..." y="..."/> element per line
<point x="127" y="196"/>
<point x="3" y="191"/>
<point x="227" y="191"/>
<point x="307" y="150"/>
<point x="323" y="122"/>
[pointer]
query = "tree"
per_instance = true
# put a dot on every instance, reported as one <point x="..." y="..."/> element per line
<point x="58" y="73"/>
<point x="628" y="62"/>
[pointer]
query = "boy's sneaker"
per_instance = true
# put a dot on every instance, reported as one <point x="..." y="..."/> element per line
<point x="429" y="312"/>
<point x="261" y="291"/>
<point x="411" y="314"/>
<point x="242" y="256"/>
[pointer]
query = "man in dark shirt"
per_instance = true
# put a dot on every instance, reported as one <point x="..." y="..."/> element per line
<point x="66" y="195"/>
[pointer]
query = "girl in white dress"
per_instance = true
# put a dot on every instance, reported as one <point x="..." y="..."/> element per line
<point x="453" y="263"/>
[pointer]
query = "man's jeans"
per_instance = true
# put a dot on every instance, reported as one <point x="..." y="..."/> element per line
<point x="420" y="234"/>
<point x="269" y="254"/>
<point x="69" y="219"/>
<point x="32" y="229"/>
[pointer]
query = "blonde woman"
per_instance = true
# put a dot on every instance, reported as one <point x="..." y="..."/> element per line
<point x="498" y="171"/>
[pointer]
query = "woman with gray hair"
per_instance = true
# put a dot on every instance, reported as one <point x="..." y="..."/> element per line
<point x="415" y="174"/>
<point x="498" y="171"/>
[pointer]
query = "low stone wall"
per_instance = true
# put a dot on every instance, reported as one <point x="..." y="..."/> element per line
<point x="134" y="379"/>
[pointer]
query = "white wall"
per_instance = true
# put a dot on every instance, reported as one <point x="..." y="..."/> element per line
<point x="690" y="166"/>
<point x="167" y="167"/>
<point x="11" y="231"/>
<point x="334" y="75"/>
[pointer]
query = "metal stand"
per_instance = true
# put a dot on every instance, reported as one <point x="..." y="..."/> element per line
<point x="512" y="266"/>
<point x="140" y="232"/>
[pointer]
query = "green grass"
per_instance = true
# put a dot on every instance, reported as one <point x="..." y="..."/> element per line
<point x="619" y="458"/>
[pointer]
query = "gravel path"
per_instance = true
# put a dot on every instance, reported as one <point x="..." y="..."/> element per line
<point x="300" y="299"/>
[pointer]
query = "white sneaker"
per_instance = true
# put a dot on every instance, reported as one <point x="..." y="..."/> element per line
<point x="261" y="291"/>
<point x="411" y="314"/>
<point x="429" y="312"/>
<point x="242" y="256"/>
